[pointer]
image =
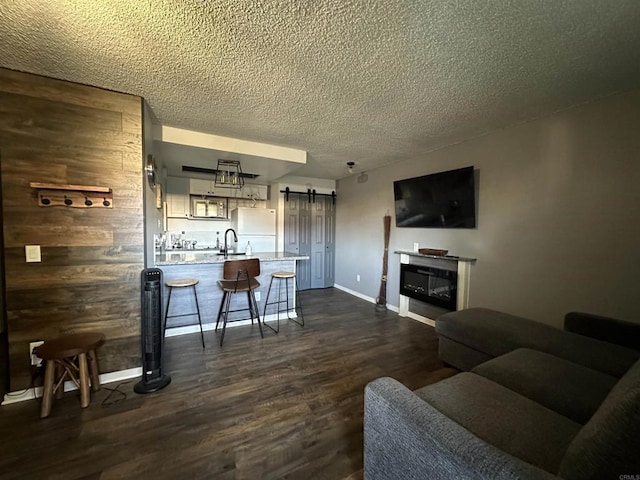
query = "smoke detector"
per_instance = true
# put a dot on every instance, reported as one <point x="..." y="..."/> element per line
<point x="350" y="166"/>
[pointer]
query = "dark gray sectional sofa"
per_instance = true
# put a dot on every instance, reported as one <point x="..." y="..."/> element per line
<point x="532" y="401"/>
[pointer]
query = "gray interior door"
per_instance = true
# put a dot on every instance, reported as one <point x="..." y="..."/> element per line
<point x="317" y="243"/>
<point x="292" y="224"/>
<point x="329" y="242"/>
<point x="309" y="229"/>
<point x="304" y="235"/>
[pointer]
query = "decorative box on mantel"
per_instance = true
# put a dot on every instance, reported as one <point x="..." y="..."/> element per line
<point x="431" y="285"/>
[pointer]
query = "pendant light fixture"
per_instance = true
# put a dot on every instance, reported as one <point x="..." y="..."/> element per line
<point x="229" y="174"/>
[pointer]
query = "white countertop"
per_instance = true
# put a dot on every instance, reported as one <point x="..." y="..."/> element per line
<point x="190" y="257"/>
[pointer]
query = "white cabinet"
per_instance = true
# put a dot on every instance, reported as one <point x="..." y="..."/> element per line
<point x="179" y="189"/>
<point x="198" y="186"/>
<point x="177" y="197"/>
<point x="257" y="192"/>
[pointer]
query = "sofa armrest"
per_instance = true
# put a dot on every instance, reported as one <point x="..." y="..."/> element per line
<point x="620" y="332"/>
<point x="405" y="437"/>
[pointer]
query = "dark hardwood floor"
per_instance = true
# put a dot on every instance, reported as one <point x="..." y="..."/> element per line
<point x="286" y="406"/>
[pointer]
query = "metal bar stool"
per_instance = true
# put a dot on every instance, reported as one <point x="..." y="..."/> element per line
<point x="70" y="357"/>
<point x="183" y="283"/>
<point x="298" y="305"/>
<point x="239" y="276"/>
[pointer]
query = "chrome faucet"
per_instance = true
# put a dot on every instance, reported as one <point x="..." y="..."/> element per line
<point x="235" y="239"/>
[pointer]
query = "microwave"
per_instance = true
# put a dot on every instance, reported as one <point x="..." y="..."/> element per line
<point x="203" y="206"/>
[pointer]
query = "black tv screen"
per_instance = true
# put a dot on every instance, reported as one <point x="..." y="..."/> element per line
<point x="439" y="200"/>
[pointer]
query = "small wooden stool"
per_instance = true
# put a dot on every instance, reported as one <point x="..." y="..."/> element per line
<point x="183" y="283"/>
<point x="66" y="358"/>
<point x="297" y="305"/>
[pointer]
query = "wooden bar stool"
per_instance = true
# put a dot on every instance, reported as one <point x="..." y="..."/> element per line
<point x="239" y="276"/>
<point x="70" y="357"/>
<point x="297" y="304"/>
<point x="183" y="283"/>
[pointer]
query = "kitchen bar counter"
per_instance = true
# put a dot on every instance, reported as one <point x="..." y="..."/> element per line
<point x="207" y="268"/>
<point x="177" y="257"/>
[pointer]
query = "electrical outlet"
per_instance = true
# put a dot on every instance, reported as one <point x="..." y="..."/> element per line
<point x="32" y="253"/>
<point x="257" y="296"/>
<point x="416" y="247"/>
<point x="35" y="360"/>
<point x="358" y="278"/>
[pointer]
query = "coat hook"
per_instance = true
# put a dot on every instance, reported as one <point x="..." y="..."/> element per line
<point x="106" y="202"/>
<point x="87" y="201"/>
<point x="67" y="201"/>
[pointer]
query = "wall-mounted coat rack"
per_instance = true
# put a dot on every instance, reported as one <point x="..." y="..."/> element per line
<point x="311" y="194"/>
<point x="78" y="196"/>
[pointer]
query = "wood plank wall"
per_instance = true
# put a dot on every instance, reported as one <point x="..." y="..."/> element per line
<point x="59" y="132"/>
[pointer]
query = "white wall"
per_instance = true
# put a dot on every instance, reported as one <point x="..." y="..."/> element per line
<point x="558" y="223"/>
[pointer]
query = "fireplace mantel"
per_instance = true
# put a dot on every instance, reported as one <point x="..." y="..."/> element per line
<point x="449" y="262"/>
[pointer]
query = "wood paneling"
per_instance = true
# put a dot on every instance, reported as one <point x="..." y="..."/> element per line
<point x="59" y="132"/>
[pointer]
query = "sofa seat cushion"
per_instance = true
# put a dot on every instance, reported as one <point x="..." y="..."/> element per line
<point x="608" y="446"/>
<point x="496" y="333"/>
<point x="503" y="418"/>
<point x="563" y="386"/>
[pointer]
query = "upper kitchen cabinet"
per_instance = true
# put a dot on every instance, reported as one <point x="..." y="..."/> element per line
<point x="199" y="186"/>
<point x="177" y="197"/>
<point x="255" y="192"/>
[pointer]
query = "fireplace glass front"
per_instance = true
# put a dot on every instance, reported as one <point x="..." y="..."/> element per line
<point x="429" y="284"/>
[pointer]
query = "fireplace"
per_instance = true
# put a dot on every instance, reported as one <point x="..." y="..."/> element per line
<point x="432" y="285"/>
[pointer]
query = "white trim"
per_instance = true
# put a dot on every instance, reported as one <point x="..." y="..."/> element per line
<point x="393" y="308"/>
<point x="355" y="294"/>
<point x="464" y="280"/>
<point x="105" y="378"/>
<point x="421" y="319"/>
<point x="227" y="144"/>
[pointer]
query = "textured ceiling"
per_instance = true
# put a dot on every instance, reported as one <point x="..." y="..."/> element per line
<point x="368" y="81"/>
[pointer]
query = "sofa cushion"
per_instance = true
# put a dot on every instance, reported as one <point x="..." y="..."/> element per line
<point x="563" y="386"/>
<point x="608" y="446"/>
<point x="503" y="418"/>
<point x="496" y="333"/>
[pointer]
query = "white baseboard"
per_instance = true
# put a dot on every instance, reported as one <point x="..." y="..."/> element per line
<point x="105" y="378"/>
<point x="393" y="308"/>
<point x="421" y="319"/>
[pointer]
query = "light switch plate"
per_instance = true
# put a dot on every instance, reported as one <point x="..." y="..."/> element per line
<point x="32" y="253"/>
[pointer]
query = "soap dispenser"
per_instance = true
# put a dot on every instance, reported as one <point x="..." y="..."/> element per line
<point x="248" y="249"/>
<point x="217" y="240"/>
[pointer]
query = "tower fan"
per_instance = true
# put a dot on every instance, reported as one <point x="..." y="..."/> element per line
<point x="152" y="334"/>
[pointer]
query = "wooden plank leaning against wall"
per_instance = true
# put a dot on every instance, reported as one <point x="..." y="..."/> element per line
<point x="59" y="132"/>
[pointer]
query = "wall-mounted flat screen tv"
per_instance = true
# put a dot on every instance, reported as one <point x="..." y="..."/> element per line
<point x="440" y="200"/>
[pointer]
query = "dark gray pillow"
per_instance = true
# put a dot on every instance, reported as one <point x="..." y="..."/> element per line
<point x="608" y="446"/>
